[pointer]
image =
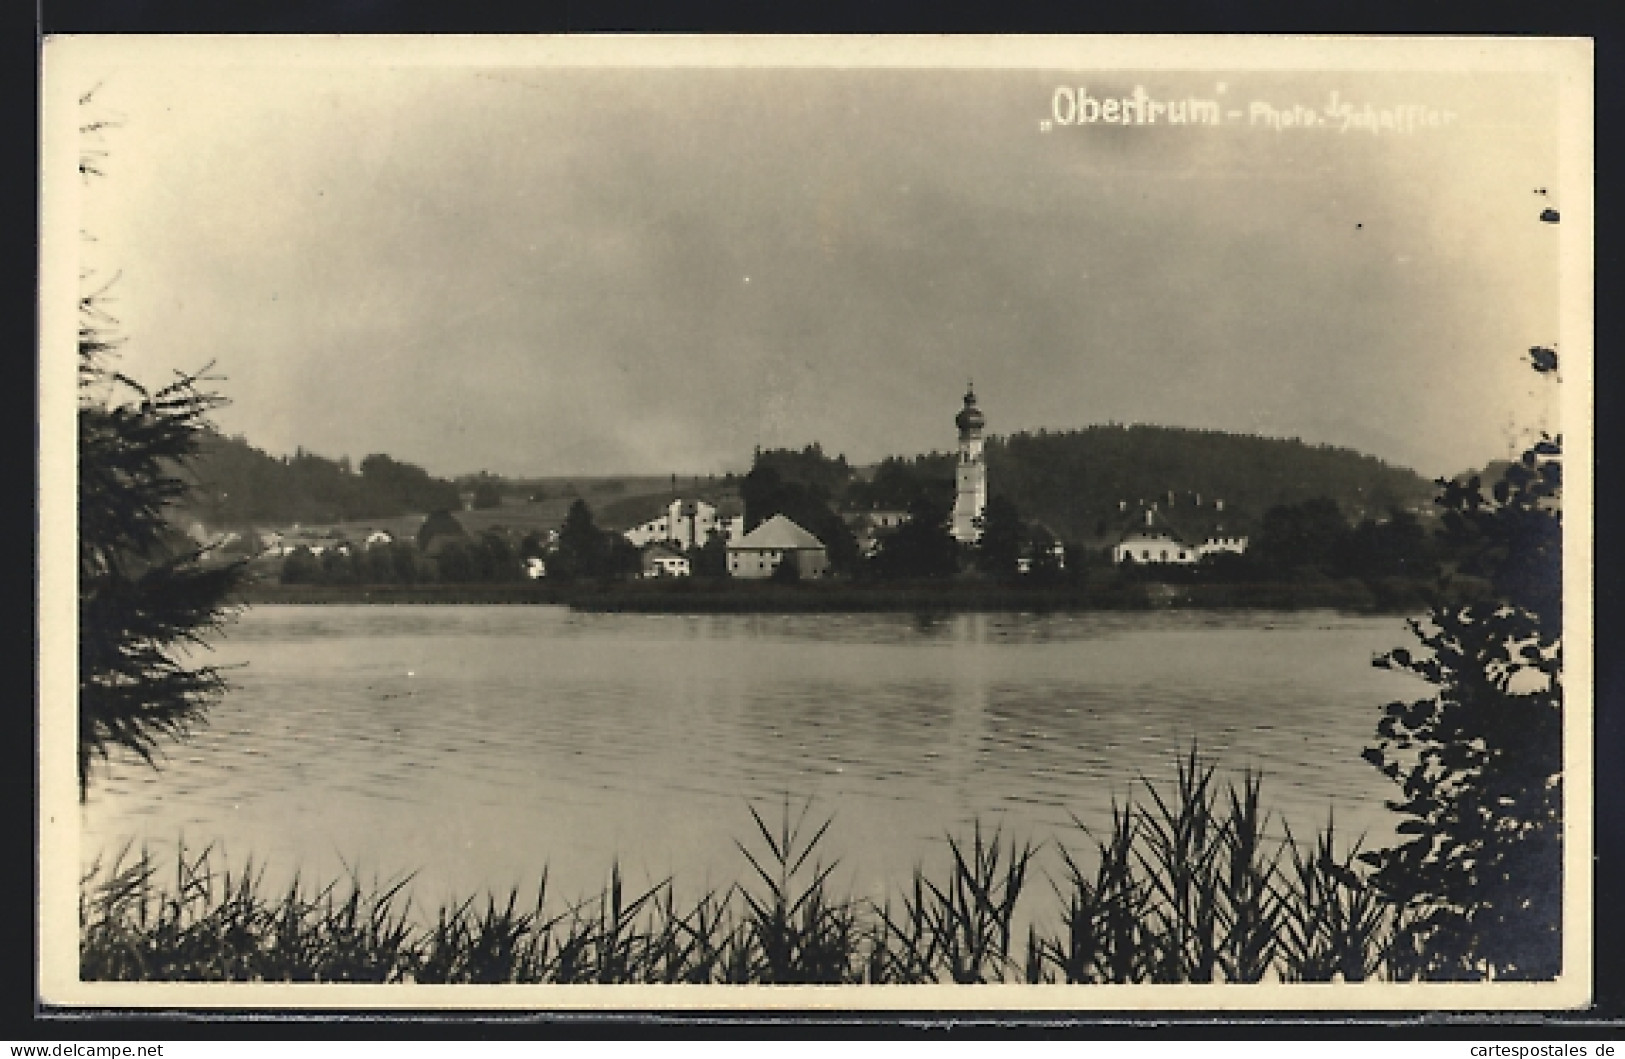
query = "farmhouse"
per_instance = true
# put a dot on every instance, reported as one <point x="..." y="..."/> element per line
<point x="778" y="540"/>
<point x="1167" y="537"/>
<point x="1153" y="542"/>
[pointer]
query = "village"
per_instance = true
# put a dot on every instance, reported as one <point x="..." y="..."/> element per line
<point x="669" y="533"/>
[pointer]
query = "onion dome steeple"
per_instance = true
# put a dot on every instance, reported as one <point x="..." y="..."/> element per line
<point x="970" y="417"/>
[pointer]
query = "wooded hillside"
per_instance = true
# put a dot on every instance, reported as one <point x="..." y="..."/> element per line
<point x="239" y="484"/>
<point x="1073" y="480"/>
<point x="1070" y="480"/>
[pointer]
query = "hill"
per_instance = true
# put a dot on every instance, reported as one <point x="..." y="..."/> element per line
<point x="1084" y="484"/>
<point x="240" y="485"/>
<point x="1075" y="480"/>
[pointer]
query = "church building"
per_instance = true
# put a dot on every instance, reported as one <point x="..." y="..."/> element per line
<point x="971" y="474"/>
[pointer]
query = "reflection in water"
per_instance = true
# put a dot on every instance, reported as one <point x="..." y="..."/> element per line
<point x="474" y="744"/>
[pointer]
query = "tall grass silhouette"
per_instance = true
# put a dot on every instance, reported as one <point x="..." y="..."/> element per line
<point x="1189" y="883"/>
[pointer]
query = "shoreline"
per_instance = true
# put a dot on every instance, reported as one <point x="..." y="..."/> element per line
<point x="722" y="597"/>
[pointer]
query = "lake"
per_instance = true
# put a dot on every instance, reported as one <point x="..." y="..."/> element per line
<point x="472" y="745"/>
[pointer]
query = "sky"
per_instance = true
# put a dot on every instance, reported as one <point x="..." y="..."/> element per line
<point x="573" y="271"/>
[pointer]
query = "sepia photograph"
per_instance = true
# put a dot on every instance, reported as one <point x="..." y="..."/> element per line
<point x="1026" y="523"/>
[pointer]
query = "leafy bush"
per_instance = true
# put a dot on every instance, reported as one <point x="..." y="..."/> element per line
<point x="1481" y="761"/>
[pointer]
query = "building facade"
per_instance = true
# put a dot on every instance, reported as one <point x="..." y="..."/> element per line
<point x="1153" y="545"/>
<point x="970" y="498"/>
<point x="868" y="527"/>
<point x="1233" y="545"/>
<point x="688" y="524"/>
<point x="661" y="561"/>
<point x="1156" y="541"/>
<point x="778" y="540"/>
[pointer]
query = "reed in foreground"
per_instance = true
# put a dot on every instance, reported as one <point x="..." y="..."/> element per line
<point x="1184" y="885"/>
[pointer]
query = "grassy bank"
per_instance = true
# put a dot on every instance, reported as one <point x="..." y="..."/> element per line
<point x="1181" y="885"/>
<point x="721" y="596"/>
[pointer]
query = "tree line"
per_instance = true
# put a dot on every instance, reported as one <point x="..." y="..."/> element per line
<point x="240" y="485"/>
<point x="444" y="552"/>
<point x="1315" y="539"/>
<point x="1073" y="480"/>
<point x="1310" y="537"/>
<point x="490" y="558"/>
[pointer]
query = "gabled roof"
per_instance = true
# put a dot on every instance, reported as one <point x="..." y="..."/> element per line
<point x="1182" y="524"/>
<point x="779" y="534"/>
<point x="1145" y="535"/>
<point x="1150" y="525"/>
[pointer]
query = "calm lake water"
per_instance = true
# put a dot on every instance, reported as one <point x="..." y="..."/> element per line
<point x="472" y="745"/>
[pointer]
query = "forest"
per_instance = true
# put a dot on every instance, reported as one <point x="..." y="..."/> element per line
<point x="1073" y="481"/>
<point x="237" y="484"/>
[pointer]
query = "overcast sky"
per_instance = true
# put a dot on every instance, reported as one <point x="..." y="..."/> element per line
<point x="579" y="271"/>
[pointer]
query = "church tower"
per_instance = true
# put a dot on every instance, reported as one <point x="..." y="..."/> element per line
<point x="971" y="473"/>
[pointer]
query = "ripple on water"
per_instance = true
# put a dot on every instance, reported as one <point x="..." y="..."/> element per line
<point x="529" y="729"/>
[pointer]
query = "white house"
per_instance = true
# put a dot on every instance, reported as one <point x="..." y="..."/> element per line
<point x="778" y="540"/>
<point x="688" y="523"/>
<point x="1222" y="543"/>
<point x="317" y="541"/>
<point x="660" y="561"/>
<point x="1153" y="546"/>
<point x="1153" y="543"/>
<point x="869" y="526"/>
<point x="1164" y="536"/>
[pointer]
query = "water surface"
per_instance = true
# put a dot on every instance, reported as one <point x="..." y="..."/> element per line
<point x="474" y="744"/>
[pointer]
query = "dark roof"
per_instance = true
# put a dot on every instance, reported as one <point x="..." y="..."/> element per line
<point x="1185" y="522"/>
<point x="970" y="417"/>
